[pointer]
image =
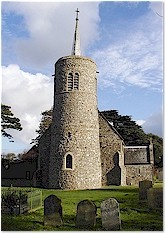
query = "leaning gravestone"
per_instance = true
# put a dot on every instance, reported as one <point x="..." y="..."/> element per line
<point x="86" y="214"/>
<point x="155" y="198"/>
<point x="144" y="186"/>
<point x="110" y="215"/>
<point x="52" y="211"/>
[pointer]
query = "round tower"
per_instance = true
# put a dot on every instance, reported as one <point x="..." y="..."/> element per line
<point x="75" y="150"/>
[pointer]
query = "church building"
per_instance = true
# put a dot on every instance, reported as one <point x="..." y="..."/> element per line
<point x="81" y="149"/>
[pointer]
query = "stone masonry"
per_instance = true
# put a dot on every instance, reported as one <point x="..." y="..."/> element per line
<point x="75" y="127"/>
<point x="139" y="163"/>
<point x="136" y="154"/>
<point x="120" y="165"/>
<point x="136" y="173"/>
<point x="112" y="157"/>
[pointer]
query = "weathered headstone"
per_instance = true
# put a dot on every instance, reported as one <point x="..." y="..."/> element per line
<point x="144" y="186"/>
<point x="86" y="214"/>
<point x="155" y="198"/>
<point x="160" y="175"/>
<point x="110" y="215"/>
<point x="52" y="211"/>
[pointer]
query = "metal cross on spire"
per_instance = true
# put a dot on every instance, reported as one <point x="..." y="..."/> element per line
<point x="77" y="11"/>
<point x="76" y="41"/>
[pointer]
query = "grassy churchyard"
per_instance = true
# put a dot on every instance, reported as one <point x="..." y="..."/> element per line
<point x="135" y="215"/>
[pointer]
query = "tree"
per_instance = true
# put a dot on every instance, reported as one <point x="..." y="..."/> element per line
<point x="46" y="120"/>
<point x="8" y="121"/>
<point x="131" y="132"/>
<point x="10" y="156"/>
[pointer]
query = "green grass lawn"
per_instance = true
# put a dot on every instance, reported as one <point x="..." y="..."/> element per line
<point x="135" y="215"/>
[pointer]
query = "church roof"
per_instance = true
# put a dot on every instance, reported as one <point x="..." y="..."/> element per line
<point x="76" y="41"/>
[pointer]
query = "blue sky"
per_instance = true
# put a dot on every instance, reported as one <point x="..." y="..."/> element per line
<point x="125" y="39"/>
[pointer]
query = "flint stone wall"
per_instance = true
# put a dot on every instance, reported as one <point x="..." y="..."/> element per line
<point x="136" y="155"/>
<point x="136" y="173"/>
<point x="97" y="160"/>
<point x="75" y="128"/>
<point x="112" y="157"/>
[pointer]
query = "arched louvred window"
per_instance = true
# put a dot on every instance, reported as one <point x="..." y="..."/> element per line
<point x="70" y="82"/>
<point x="76" y="81"/>
<point x="69" y="162"/>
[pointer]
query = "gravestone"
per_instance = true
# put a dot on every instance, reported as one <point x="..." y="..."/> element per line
<point x="86" y="214"/>
<point x="155" y="198"/>
<point x="160" y="175"/>
<point x="144" y="186"/>
<point x="110" y="215"/>
<point x="52" y="211"/>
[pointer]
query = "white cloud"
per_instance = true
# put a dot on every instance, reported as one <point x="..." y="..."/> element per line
<point x="136" y="59"/>
<point x="51" y="29"/>
<point x="140" y="122"/>
<point x="28" y="95"/>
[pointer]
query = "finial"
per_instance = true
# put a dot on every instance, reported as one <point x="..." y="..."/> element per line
<point x="77" y="11"/>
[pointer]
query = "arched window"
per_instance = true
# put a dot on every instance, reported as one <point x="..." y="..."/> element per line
<point x="76" y="81"/>
<point x="69" y="162"/>
<point x="73" y="81"/>
<point x="70" y="82"/>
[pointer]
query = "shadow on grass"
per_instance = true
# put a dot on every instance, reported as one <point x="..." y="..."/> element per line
<point x="15" y="224"/>
<point x="119" y="189"/>
<point x="137" y="225"/>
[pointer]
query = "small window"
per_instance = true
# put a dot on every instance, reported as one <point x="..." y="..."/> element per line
<point x="73" y="81"/>
<point x="76" y="81"/>
<point x="69" y="162"/>
<point x="70" y="82"/>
